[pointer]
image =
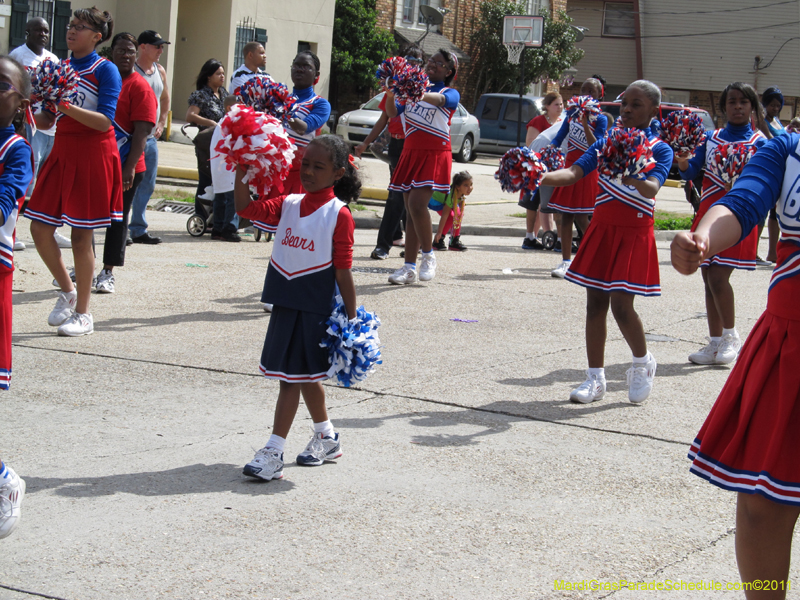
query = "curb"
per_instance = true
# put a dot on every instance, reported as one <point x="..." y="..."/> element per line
<point x="483" y="230"/>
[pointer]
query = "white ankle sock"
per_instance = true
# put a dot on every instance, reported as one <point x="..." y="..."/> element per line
<point x="277" y="442"/>
<point x="642" y="360"/>
<point x="599" y="373"/>
<point x="529" y="235"/>
<point x="732" y="331"/>
<point x="424" y="253"/>
<point x="715" y="339"/>
<point x="412" y="266"/>
<point x="325" y="428"/>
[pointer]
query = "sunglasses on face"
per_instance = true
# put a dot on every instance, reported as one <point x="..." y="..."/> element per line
<point x="7" y="87"/>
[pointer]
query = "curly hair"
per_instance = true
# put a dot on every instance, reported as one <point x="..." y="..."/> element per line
<point x="348" y="188"/>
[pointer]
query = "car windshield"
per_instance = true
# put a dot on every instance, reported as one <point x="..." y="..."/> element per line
<point x="373" y="103"/>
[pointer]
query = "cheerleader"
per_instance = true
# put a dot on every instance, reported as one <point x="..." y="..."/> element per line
<point x="747" y="443"/>
<point x="80" y="183"/>
<point x="425" y="163"/>
<point x="576" y="202"/>
<point x="738" y="102"/>
<point x="311" y="227"/>
<point x="617" y="259"/>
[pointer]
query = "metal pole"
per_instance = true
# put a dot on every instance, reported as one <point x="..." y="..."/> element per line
<point x="521" y="89"/>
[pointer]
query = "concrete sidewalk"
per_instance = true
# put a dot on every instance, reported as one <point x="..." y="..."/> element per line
<point x="467" y="473"/>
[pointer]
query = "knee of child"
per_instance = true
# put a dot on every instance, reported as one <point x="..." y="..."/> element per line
<point x="622" y="308"/>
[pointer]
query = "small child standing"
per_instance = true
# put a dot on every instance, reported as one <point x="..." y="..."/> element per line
<point x="311" y="257"/>
<point x="16" y="172"/>
<point x="450" y="207"/>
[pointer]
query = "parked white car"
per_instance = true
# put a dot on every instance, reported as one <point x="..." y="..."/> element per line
<point x="465" y="134"/>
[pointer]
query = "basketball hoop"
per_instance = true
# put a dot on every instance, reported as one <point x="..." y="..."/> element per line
<point x="514" y="52"/>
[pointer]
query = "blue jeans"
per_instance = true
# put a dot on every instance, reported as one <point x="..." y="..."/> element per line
<point x="138" y="224"/>
<point x="225" y="217"/>
<point x="41" y="145"/>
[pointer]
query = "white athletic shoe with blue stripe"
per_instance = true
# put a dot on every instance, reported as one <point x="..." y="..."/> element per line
<point x="319" y="450"/>
<point x="267" y="464"/>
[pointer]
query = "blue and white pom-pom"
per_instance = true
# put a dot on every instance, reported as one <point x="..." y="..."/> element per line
<point x="353" y="346"/>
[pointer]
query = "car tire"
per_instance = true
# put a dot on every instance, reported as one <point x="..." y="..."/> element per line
<point x="465" y="154"/>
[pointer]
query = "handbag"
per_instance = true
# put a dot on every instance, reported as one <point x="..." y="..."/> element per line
<point x="381" y="144"/>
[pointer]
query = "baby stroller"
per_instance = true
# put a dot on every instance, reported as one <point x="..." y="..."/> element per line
<point x="202" y="220"/>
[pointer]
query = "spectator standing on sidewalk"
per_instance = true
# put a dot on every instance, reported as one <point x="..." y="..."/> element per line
<point x="30" y="54"/>
<point x="255" y="60"/>
<point x="151" y="46"/>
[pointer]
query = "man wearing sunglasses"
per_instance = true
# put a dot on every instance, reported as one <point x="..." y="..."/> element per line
<point x="30" y="54"/>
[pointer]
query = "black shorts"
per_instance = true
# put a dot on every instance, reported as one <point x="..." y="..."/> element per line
<point x="529" y="200"/>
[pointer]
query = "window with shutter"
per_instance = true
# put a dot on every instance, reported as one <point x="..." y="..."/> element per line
<point x="618" y="19"/>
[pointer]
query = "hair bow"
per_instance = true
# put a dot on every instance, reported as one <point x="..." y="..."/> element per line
<point x="351" y="159"/>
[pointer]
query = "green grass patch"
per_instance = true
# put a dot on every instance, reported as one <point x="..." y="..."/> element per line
<point x="521" y="215"/>
<point x="669" y="222"/>
<point x="355" y="206"/>
<point x="173" y="197"/>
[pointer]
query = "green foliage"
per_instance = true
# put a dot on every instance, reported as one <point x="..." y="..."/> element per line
<point x="359" y="45"/>
<point x="673" y="223"/>
<point x="495" y="73"/>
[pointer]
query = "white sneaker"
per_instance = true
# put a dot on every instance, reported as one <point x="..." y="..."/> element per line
<point x="561" y="270"/>
<point x="267" y="464"/>
<point x="18" y="246"/>
<point x="77" y="325"/>
<point x="12" y="491"/>
<point x="320" y="449"/>
<point x="267" y="307"/>
<point x="105" y="282"/>
<point x="72" y="278"/>
<point x="640" y="380"/>
<point x="706" y="355"/>
<point x="590" y="390"/>
<point x="427" y="267"/>
<point x="61" y="240"/>
<point x="65" y="307"/>
<point x="728" y="349"/>
<point x="403" y="276"/>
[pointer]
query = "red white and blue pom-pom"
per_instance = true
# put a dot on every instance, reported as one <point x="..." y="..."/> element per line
<point x="53" y="83"/>
<point x="552" y="157"/>
<point x="353" y="346"/>
<point x="683" y="130"/>
<point x="626" y="153"/>
<point x="727" y="161"/>
<point x="408" y="83"/>
<point x="389" y="68"/>
<point x="258" y="141"/>
<point x="266" y="95"/>
<point x="520" y="169"/>
<point x="577" y="106"/>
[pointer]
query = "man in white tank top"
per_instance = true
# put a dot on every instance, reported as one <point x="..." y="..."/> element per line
<point x="151" y="46"/>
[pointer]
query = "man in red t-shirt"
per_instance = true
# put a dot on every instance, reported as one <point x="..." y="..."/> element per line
<point x="137" y="113"/>
<point x="391" y="229"/>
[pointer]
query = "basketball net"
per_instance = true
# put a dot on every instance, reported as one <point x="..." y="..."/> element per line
<point x="514" y="52"/>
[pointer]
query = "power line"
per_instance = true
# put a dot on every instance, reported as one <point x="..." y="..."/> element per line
<point x="683" y="35"/>
<point x="698" y="12"/>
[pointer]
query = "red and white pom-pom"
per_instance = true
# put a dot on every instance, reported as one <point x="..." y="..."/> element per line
<point x="389" y="68"/>
<point x="683" y="130"/>
<point x="792" y="128"/>
<point x="577" y="106"/>
<point x="409" y="84"/>
<point x="264" y="94"/>
<point x="626" y="153"/>
<point x="520" y="169"/>
<point x="553" y="158"/>
<point x="727" y="161"/>
<point x="258" y="141"/>
<point x="53" y="83"/>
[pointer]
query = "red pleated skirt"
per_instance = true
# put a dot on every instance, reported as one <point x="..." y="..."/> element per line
<point x="740" y="256"/>
<point x="422" y="168"/>
<point x="578" y="198"/>
<point x="80" y="183"/>
<point x="618" y="253"/>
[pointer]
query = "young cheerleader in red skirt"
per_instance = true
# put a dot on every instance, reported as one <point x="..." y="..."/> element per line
<point x="576" y="201"/>
<point x="80" y="183"/>
<point x="617" y="259"/>
<point x="738" y="102"/>
<point x="425" y="163"/>
<point x="747" y="444"/>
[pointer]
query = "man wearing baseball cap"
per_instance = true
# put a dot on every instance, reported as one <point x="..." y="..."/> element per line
<point x="151" y="46"/>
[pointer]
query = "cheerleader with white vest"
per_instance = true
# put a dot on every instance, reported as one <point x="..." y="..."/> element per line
<point x="748" y="442"/>
<point x="617" y="259"/>
<point x="425" y="163"/>
<point x="311" y="257"/>
<point x="738" y="103"/>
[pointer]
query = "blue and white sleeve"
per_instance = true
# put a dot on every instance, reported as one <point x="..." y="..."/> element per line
<point x="588" y="162"/>
<point x="319" y="114"/>
<point x="562" y="134"/>
<point x="696" y="164"/>
<point x="16" y="177"/>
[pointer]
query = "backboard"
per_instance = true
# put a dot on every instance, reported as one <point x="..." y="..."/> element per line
<point x="523" y="30"/>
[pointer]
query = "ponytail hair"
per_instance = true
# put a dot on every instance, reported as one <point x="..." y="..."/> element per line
<point x="348" y="188"/>
<point x="101" y="21"/>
